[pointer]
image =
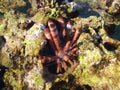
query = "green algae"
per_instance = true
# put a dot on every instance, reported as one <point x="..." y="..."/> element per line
<point x="96" y="66"/>
<point x="2" y="27"/>
<point x="13" y="78"/>
<point x="101" y="79"/>
<point x="5" y="60"/>
<point x="32" y="45"/>
<point x="40" y="17"/>
<point x="24" y="76"/>
<point x="6" y="5"/>
<point x="33" y="41"/>
<point x="39" y="81"/>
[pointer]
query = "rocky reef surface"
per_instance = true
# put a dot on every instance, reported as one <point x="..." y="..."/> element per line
<point x="21" y="39"/>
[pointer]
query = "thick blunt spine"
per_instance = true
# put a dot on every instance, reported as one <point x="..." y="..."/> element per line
<point x="55" y="36"/>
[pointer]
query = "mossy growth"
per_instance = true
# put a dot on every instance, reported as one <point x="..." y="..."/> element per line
<point x="32" y="47"/>
<point x="6" y="5"/>
<point x="2" y="28"/>
<point x="13" y="78"/>
<point x="39" y="80"/>
<point x="40" y="18"/>
<point x="5" y="60"/>
<point x="9" y="24"/>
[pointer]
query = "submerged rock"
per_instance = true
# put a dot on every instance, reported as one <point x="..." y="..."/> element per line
<point x="95" y="61"/>
<point x="34" y="40"/>
<point x="6" y="5"/>
<point x="21" y="39"/>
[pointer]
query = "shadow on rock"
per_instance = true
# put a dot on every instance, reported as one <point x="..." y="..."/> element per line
<point x="70" y="85"/>
<point x="85" y="11"/>
<point x="116" y="34"/>
<point x="2" y="71"/>
<point x="2" y="41"/>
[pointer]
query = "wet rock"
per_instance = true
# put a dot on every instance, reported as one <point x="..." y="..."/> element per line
<point x="6" y="5"/>
<point x="34" y="40"/>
